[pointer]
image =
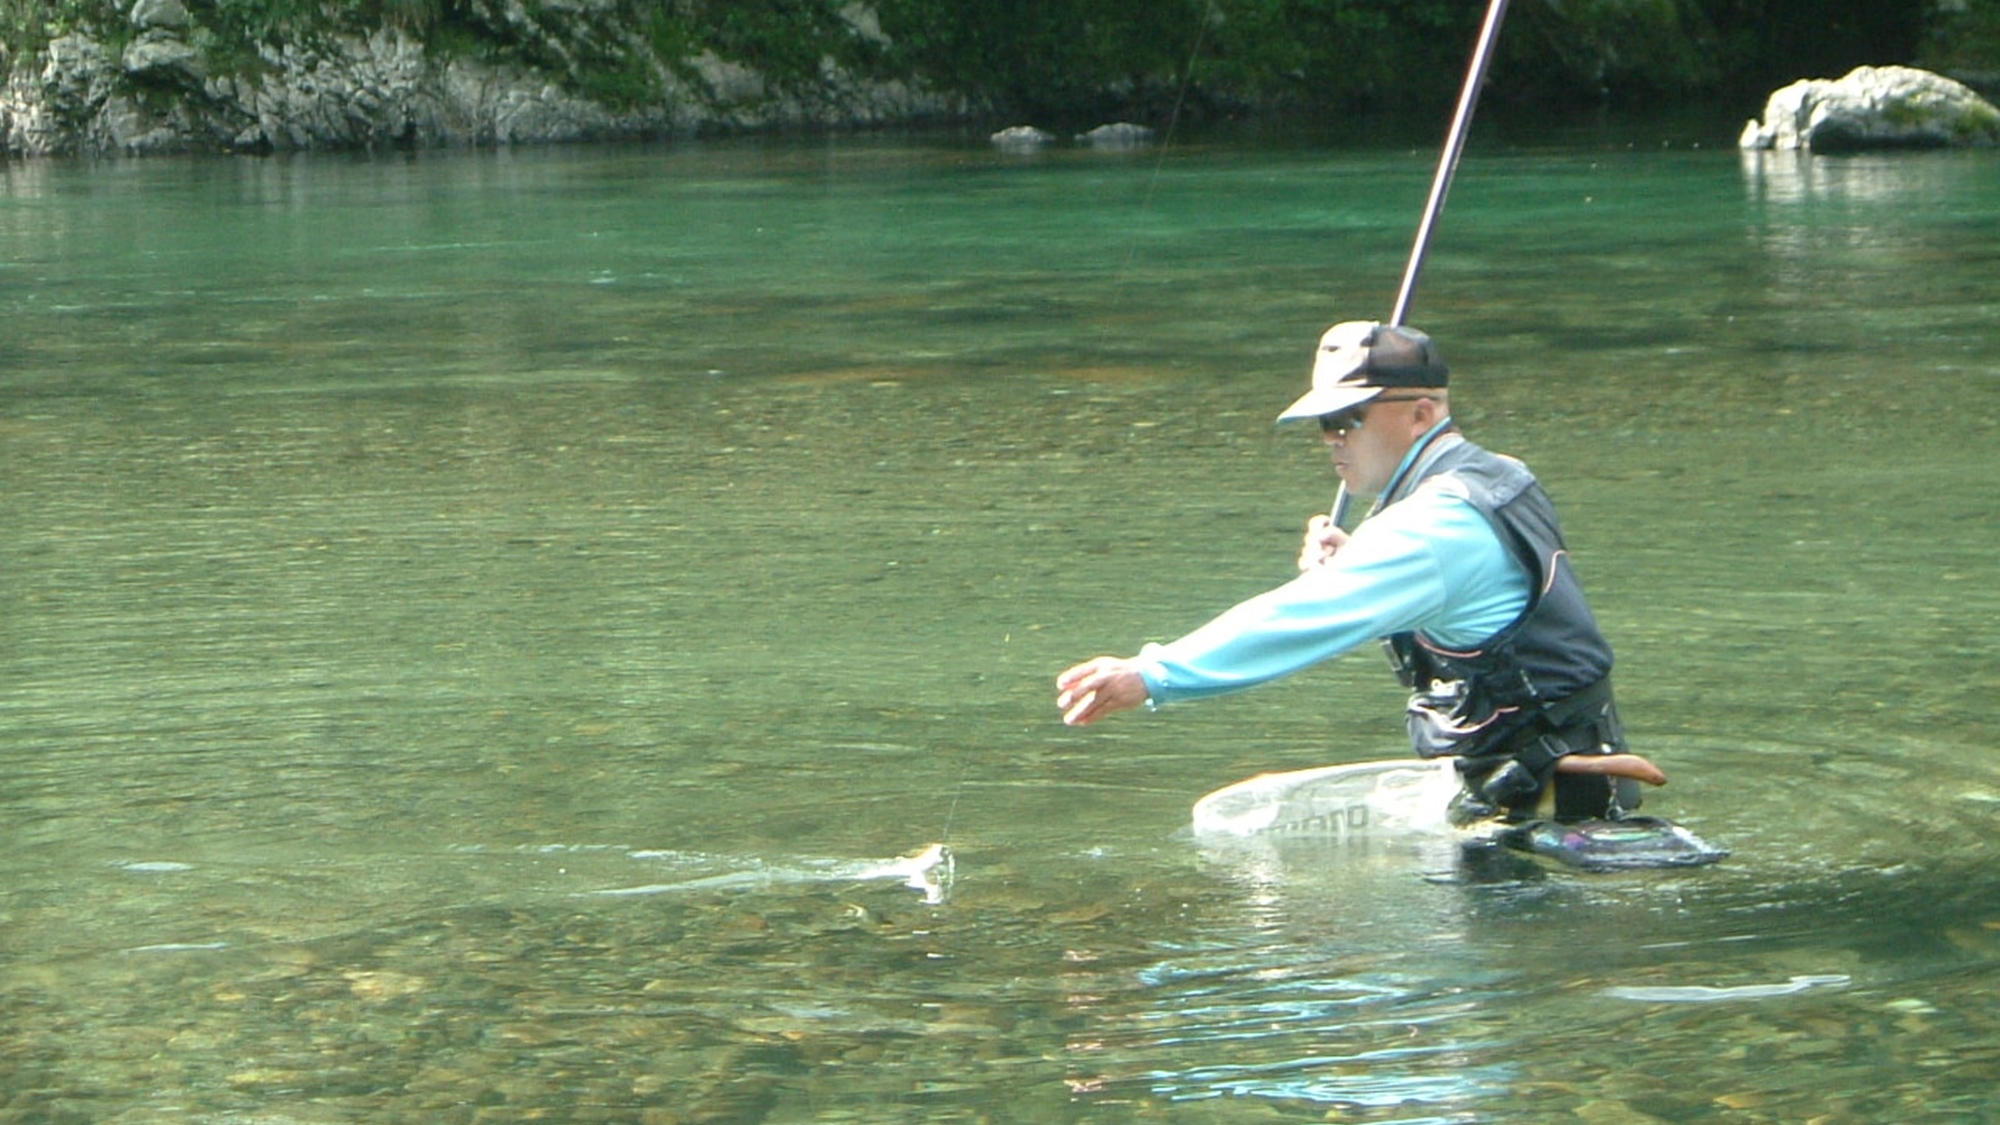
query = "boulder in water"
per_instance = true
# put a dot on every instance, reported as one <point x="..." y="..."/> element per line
<point x="1021" y="137"/>
<point x="1874" y="107"/>
<point x="1121" y="134"/>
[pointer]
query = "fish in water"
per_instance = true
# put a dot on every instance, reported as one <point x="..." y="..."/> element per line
<point x="931" y="869"/>
<point x="1709" y="994"/>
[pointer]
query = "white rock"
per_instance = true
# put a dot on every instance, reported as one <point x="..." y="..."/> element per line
<point x="1874" y="107"/>
<point x="1122" y="134"/>
<point x="1021" y="136"/>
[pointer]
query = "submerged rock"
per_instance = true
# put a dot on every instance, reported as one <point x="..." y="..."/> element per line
<point x="1122" y="134"/>
<point x="1021" y="136"/>
<point x="1874" y="107"/>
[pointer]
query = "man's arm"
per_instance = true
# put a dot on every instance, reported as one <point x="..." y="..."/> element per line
<point x="1433" y="564"/>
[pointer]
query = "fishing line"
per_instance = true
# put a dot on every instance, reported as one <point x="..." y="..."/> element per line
<point x="1210" y="13"/>
<point x="957" y="791"/>
<point x="1454" y="147"/>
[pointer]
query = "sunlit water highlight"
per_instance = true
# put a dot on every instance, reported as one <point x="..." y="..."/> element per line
<point x="403" y="552"/>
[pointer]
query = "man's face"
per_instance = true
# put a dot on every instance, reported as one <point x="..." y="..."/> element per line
<point x="1368" y="441"/>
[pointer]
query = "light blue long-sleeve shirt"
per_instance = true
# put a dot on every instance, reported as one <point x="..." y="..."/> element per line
<point x="1428" y="563"/>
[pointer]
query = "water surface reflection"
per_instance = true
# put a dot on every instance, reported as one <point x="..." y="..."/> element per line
<point x="401" y="552"/>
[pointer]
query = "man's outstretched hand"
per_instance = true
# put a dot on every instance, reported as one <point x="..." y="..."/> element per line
<point x="1100" y="686"/>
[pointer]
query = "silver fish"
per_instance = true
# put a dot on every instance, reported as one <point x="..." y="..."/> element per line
<point x="930" y="869"/>
<point x="1707" y="994"/>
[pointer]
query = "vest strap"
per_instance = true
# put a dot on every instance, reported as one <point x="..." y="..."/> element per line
<point x="1564" y="712"/>
<point x="1525" y="764"/>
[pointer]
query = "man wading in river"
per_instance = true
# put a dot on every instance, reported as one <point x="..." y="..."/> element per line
<point x="1459" y="567"/>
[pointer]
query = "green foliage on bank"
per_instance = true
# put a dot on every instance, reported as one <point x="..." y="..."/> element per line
<point x="1963" y="36"/>
<point x="1075" y="60"/>
<point x="27" y="25"/>
<point x="1038" y="58"/>
<point x="1050" y="59"/>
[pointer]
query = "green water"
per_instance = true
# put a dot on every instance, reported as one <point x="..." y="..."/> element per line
<point x="401" y="551"/>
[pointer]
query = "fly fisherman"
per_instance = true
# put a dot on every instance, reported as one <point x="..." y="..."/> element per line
<point x="1459" y="567"/>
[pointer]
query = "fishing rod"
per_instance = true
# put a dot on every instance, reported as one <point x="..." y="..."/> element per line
<point x="1454" y="146"/>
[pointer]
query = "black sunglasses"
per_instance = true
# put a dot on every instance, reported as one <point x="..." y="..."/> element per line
<point x="1349" y="420"/>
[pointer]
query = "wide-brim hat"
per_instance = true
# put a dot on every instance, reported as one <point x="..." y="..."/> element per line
<point x="1359" y="359"/>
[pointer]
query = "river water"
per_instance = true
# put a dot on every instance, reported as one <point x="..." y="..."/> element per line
<point x="403" y="552"/>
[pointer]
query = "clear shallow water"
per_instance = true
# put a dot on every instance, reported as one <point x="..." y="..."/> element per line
<point x="401" y="551"/>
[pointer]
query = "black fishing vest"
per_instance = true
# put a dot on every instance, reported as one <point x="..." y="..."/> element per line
<point x="1547" y="672"/>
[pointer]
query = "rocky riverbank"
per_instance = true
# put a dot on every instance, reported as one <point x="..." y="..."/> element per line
<point x="104" y="77"/>
<point x="149" y="87"/>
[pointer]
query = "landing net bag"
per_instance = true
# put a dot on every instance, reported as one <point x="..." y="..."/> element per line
<point x="1359" y="799"/>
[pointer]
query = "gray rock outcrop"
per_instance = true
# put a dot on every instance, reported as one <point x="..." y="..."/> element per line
<point x="385" y="89"/>
<point x="1874" y="107"/>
